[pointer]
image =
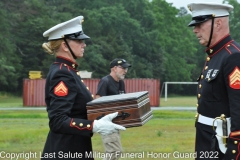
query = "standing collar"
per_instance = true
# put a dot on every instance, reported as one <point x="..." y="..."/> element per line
<point x="67" y="62"/>
<point x="214" y="49"/>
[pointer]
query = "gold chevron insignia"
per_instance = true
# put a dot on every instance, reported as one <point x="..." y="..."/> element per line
<point x="234" y="78"/>
<point x="61" y="89"/>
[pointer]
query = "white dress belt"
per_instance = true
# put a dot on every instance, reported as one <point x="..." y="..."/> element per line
<point x="207" y="121"/>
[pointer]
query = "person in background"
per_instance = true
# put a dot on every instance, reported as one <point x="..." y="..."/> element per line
<point x="66" y="97"/>
<point x="113" y="84"/>
<point x="218" y="107"/>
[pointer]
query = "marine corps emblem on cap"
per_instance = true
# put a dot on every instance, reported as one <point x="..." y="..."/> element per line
<point x="202" y="12"/>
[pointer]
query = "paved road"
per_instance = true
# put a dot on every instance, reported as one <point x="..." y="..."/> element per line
<point x="153" y="108"/>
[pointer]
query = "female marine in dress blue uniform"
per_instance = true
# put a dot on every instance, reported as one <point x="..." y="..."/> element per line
<point x="66" y="97"/>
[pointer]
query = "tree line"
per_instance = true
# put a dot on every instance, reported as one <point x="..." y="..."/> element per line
<point x="151" y="35"/>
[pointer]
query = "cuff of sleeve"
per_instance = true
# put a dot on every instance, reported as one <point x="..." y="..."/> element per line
<point x="81" y="124"/>
<point x="233" y="146"/>
<point x="235" y="135"/>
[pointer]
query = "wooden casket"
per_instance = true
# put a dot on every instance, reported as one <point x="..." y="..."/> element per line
<point x="133" y="108"/>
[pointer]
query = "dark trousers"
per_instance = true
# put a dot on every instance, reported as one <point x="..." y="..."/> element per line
<point x="206" y="144"/>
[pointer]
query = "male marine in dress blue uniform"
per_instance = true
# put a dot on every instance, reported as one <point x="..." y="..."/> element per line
<point x="219" y="82"/>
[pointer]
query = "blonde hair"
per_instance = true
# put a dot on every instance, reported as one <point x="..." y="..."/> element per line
<point x="52" y="47"/>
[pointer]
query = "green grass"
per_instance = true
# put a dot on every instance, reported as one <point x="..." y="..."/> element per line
<point x="175" y="135"/>
<point x="23" y="134"/>
<point x="22" y="114"/>
<point x="183" y="101"/>
<point x="186" y="101"/>
<point x="157" y="114"/>
<point x="6" y="101"/>
<point x="166" y="132"/>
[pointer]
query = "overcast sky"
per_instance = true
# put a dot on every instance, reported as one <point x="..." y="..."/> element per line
<point x="184" y="3"/>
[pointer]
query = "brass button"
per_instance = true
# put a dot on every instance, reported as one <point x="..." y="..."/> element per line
<point x="196" y="116"/>
<point x="233" y="151"/>
<point x="211" y="50"/>
<point x="228" y="45"/>
<point x="82" y="80"/>
<point x="208" y="58"/>
<point x="199" y="95"/>
<point x="197" y="105"/>
<point x="80" y="124"/>
<point x="65" y="65"/>
<point x="209" y="79"/>
<point x="88" y="126"/>
<point x="92" y="96"/>
<point x="202" y="76"/>
<point x="73" y="65"/>
<point x="87" y="88"/>
<point x="73" y="123"/>
<point x="200" y="86"/>
<point x="235" y="142"/>
<point x="206" y="68"/>
<point x="78" y="73"/>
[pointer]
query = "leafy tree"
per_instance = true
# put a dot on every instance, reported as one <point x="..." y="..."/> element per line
<point x="175" y="42"/>
<point x="235" y="20"/>
<point x="151" y="35"/>
<point x="9" y="63"/>
<point x="182" y="12"/>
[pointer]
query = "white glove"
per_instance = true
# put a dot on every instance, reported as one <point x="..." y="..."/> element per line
<point x="104" y="126"/>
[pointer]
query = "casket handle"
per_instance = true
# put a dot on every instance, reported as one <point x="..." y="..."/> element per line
<point x="123" y="115"/>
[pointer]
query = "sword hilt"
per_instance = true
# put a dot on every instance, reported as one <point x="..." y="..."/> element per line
<point x="224" y="127"/>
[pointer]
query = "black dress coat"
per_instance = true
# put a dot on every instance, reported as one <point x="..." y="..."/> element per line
<point x="219" y="93"/>
<point x="66" y="97"/>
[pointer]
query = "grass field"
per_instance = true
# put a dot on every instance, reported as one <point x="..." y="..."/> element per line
<point x="167" y="135"/>
<point x="6" y="101"/>
<point x="183" y="101"/>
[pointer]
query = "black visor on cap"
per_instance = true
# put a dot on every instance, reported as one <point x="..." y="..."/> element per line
<point x="78" y="35"/>
<point x="199" y="19"/>
<point x="126" y="65"/>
